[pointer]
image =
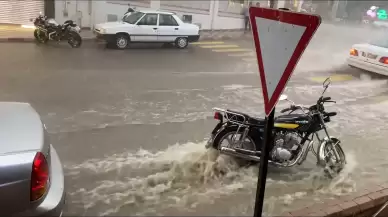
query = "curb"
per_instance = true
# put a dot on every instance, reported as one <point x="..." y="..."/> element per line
<point x="366" y="203"/>
<point x="15" y="39"/>
<point x="204" y="37"/>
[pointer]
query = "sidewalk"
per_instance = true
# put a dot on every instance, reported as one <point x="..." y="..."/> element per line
<point x="13" y="33"/>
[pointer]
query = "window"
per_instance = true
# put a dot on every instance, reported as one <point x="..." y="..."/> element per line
<point x="133" y="17"/>
<point x="149" y="20"/>
<point x="380" y="43"/>
<point x="167" y="20"/>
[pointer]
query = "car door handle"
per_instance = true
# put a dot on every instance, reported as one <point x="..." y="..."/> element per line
<point x="176" y="28"/>
<point x="155" y="28"/>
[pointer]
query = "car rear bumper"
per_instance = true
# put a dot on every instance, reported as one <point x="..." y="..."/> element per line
<point x="193" y="38"/>
<point x="371" y="67"/>
<point x="54" y="202"/>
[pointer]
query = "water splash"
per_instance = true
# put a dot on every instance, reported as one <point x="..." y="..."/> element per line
<point x="186" y="176"/>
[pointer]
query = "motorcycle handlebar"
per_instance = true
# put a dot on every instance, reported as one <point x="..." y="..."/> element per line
<point x="293" y="108"/>
<point x="331" y="114"/>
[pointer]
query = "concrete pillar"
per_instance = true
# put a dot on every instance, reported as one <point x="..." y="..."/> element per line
<point x="300" y="2"/>
<point x="334" y="10"/>
<point x="214" y="4"/>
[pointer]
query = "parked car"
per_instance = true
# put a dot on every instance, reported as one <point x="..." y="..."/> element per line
<point x="31" y="173"/>
<point x="148" y="26"/>
<point x="371" y="56"/>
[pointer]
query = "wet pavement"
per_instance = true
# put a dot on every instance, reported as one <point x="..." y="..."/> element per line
<point x="130" y="126"/>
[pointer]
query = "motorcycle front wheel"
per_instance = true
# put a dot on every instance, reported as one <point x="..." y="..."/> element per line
<point x="332" y="165"/>
<point x="74" y="39"/>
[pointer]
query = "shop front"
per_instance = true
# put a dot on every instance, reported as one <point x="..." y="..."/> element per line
<point x="20" y="12"/>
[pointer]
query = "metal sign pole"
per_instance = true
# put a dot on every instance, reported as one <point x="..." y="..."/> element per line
<point x="262" y="178"/>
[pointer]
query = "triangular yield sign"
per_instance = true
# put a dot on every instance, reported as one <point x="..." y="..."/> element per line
<point x="280" y="39"/>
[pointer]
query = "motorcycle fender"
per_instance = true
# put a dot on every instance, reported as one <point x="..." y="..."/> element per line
<point x="320" y="152"/>
<point x="219" y="127"/>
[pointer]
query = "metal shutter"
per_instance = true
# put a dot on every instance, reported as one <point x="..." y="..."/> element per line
<point x="20" y="12"/>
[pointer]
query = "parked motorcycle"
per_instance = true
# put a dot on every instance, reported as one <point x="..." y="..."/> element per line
<point x="48" y="29"/>
<point x="293" y="136"/>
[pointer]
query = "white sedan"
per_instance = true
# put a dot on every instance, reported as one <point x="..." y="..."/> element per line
<point x="371" y="56"/>
<point x="148" y="26"/>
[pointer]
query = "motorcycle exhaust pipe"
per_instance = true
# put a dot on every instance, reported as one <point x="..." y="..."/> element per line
<point x="249" y="152"/>
<point x="234" y="153"/>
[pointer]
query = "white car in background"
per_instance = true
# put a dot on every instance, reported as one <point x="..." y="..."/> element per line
<point x="148" y="26"/>
<point x="371" y="56"/>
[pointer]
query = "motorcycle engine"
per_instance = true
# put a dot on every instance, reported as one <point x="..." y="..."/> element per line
<point x="285" y="143"/>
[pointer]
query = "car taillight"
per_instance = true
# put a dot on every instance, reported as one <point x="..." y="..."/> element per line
<point x="353" y="52"/>
<point x="384" y="60"/>
<point x="218" y="116"/>
<point x="39" y="177"/>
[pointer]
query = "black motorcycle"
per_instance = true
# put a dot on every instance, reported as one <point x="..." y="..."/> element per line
<point x="293" y="136"/>
<point x="48" y="29"/>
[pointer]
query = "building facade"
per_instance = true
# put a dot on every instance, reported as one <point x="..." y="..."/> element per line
<point x="211" y="14"/>
<point x="208" y="14"/>
<point x="19" y="12"/>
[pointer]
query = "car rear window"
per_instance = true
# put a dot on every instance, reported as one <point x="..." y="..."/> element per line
<point x="380" y="43"/>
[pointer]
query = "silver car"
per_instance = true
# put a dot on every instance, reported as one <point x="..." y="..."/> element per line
<point x="31" y="174"/>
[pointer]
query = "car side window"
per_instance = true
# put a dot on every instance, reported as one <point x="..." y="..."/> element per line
<point x="149" y="20"/>
<point x="167" y="20"/>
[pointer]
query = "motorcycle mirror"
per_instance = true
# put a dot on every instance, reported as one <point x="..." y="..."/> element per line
<point x="327" y="82"/>
<point x="283" y="97"/>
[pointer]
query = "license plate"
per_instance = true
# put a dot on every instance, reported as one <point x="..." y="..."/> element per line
<point x="369" y="55"/>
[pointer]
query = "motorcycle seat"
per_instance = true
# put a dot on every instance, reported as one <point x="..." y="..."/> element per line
<point x="248" y="119"/>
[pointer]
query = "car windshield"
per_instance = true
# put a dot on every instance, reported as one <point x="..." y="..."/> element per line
<point x="380" y="43"/>
<point x="133" y="17"/>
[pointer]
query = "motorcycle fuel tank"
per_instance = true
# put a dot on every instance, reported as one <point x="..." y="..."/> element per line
<point x="292" y="121"/>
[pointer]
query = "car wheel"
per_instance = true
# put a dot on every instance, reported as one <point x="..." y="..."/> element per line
<point x="181" y="42"/>
<point x="122" y="41"/>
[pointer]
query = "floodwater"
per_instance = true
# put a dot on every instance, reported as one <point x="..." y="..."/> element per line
<point x="187" y="179"/>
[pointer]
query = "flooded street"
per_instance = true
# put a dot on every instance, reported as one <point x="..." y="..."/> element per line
<point x="131" y="126"/>
<point x="185" y="178"/>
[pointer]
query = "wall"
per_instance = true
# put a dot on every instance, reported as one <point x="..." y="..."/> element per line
<point x="209" y="14"/>
<point x="200" y="10"/>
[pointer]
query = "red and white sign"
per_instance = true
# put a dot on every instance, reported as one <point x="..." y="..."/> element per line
<point x="280" y="38"/>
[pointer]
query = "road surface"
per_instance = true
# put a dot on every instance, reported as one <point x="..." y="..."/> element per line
<point x="130" y="126"/>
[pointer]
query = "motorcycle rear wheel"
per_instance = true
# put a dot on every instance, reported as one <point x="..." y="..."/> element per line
<point x="227" y="135"/>
<point x="40" y="36"/>
<point x="74" y="40"/>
